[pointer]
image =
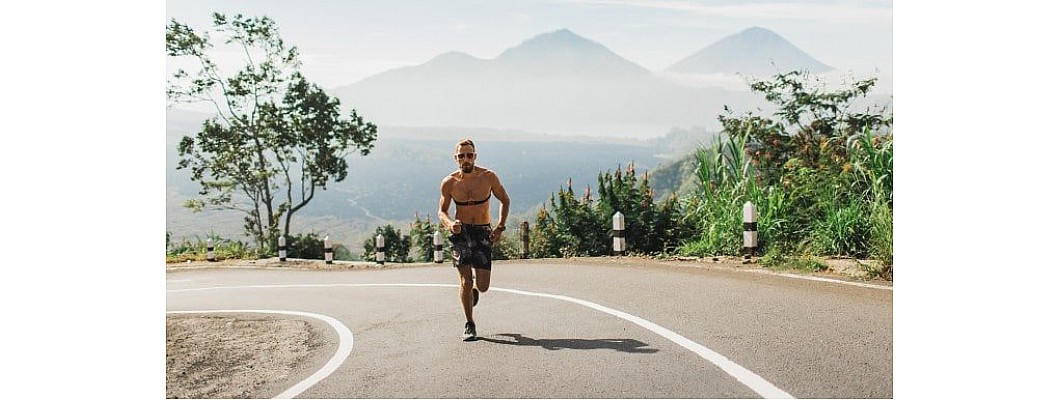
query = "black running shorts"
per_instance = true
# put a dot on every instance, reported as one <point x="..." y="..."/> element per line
<point x="472" y="247"/>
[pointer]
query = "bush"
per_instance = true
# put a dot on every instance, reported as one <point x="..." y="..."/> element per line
<point x="397" y="246"/>
<point x="581" y="226"/>
<point x="196" y="250"/>
<point x="819" y="176"/>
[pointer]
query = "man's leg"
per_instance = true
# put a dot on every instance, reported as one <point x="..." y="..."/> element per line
<point x="482" y="279"/>
<point x="466" y="283"/>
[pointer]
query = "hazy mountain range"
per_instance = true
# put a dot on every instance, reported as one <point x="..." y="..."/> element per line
<point x="401" y="175"/>
<point x="529" y="110"/>
<point x="560" y="82"/>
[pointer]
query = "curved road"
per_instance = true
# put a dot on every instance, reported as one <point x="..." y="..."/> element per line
<point x="570" y="329"/>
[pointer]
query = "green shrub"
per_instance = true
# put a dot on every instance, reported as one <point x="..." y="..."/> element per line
<point x="397" y="246"/>
<point x="224" y="249"/>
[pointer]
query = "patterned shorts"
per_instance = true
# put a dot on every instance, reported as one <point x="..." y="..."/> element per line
<point x="472" y="247"/>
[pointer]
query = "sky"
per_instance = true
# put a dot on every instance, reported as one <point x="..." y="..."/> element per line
<point x="343" y="42"/>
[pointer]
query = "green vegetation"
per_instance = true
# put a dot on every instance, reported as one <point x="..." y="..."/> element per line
<point x="396" y="245"/>
<point x="311" y="247"/>
<point x="422" y="236"/>
<point x="819" y="175"/>
<point x="581" y="226"/>
<point x="223" y="249"/>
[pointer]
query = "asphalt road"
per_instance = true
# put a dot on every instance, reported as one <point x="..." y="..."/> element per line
<point x="573" y="329"/>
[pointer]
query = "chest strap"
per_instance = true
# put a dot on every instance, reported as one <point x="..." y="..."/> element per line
<point x="473" y="202"/>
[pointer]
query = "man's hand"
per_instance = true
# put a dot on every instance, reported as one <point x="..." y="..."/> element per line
<point x="456" y="227"/>
<point x="496" y="234"/>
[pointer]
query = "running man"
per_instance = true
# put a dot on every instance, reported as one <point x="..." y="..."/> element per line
<point x="470" y="187"/>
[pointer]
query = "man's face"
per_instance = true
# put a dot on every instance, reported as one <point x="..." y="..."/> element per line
<point x="465" y="158"/>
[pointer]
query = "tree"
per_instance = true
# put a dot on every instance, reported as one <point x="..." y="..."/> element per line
<point x="276" y="138"/>
<point x="422" y="235"/>
<point x="811" y="123"/>
<point x="396" y="245"/>
<point x="571" y="226"/>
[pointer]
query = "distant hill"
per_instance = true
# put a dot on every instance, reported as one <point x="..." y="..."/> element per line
<point x="753" y="52"/>
<point x="557" y="82"/>
<point x="401" y="176"/>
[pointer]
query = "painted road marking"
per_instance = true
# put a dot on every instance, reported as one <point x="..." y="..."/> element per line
<point x="745" y="376"/>
<point x="343" y="352"/>
<point x="830" y="280"/>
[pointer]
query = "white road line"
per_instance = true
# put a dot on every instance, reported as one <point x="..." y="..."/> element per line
<point x="830" y="280"/>
<point x="745" y="376"/>
<point x="343" y="352"/>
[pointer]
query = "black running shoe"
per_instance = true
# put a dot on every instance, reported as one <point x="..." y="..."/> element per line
<point x="474" y="296"/>
<point x="469" y="332"/>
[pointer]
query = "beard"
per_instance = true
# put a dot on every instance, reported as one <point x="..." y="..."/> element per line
<point x="467" y="168"/>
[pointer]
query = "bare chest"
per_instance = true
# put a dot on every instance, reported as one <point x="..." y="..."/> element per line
<point x="470" y="189"/>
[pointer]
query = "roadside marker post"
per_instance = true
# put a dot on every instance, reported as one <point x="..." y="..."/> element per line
<point x="209" y="250"/>
<point x="282" y="247"/>
<point x="329" y="254"/>
<point x="750" y="231"/>
<point x="380" y="246"/>
<point x="438" y="247"/>
<point x="618" y="226"/>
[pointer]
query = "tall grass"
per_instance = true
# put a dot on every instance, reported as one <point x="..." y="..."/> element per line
<point x="844" y="211"/>
<point x="872" y="162"/>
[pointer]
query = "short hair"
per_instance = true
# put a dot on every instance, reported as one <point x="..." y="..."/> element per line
<point x="465" y="142"/>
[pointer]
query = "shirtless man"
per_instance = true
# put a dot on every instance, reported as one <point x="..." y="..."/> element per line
<point x="470" y="187"/>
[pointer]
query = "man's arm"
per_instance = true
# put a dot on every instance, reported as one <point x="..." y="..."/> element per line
<point x="502" y="195"/>
<point x="443" y="204"/>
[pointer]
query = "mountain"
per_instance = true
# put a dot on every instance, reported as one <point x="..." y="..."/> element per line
<point x="753" y="51"/>
<point x="564" y="54"/>
<point x="400" y="177"/>
<point x="556" y="82"/>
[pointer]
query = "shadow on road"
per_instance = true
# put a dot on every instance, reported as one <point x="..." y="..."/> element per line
<point x="623" y="345"/>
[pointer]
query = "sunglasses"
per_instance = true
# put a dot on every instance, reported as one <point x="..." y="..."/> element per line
<point x="462" y="156"/>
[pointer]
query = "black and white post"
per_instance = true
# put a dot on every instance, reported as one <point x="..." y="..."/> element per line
<point x="380" y="245"/>
<point x="329" y="255"/>
<point x="618" y="226"/>
<point x="524" y="235"/>
<point x="750" y="231"/>
<point x="281" y="245"/>
<point x="209" y="250"/>
<point x="438" y="247"/>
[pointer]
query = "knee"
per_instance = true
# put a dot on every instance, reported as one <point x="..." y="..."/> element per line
<point x="466" y="283"/>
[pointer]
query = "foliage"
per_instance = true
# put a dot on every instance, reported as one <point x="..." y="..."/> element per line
<point x="572" y="226"/>
<point x="422" y="236"/>
<point x="277" y="137"/>
<point x="507" y="247"/>
<point x="310" y="246"/>
<point x="396" y="246"/>
<point x="819" y="175"/>
<point x="196" y="250"/>
<point x="811" y="124"/>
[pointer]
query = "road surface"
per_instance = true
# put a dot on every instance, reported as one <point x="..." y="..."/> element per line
<point x="566" y="329"/>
